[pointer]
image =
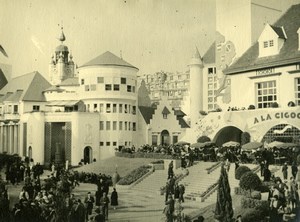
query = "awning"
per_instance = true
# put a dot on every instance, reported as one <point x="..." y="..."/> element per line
<point x="63" y="103"/>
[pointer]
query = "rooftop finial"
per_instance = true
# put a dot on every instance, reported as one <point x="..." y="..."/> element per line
<point x="62" y="37"/>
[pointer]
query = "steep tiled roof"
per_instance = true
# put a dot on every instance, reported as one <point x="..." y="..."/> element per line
<point x="3" y="80"/>
<point x="108" y="59"/>
<point x="179" y="113"/>
<point x="15" y="97"/>
<point x="210" y="55"/>
<point x="183" y="123"/>
<point x="73" y="81"/>
<point x="31" y="84"/>
<point x="289" y="53"/>
<point x="147" y="113"/>
<point x="279" y="31"/>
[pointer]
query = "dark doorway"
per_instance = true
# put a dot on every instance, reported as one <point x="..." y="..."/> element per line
<point x="226" y="134"/>
<point x="165" y="137"/>
<point x="87" y="155"/>
<point x="30" y="153"/>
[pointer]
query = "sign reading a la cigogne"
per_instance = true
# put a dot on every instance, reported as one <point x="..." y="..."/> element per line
<point x="292" y="115"/>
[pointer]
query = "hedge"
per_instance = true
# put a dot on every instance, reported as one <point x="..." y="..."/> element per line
<point x="144" y="155"/>
<point x="134" y="175"/>
<point x="260" y="205"/>
<point x="251" y="215"/>
<point x="250" y="181"/>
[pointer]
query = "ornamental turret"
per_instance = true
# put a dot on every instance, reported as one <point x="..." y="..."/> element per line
<point x="61" y="65"/>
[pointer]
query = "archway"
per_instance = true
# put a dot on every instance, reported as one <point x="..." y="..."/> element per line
<point x="29" y="153"/>
<point x="165" y="137"/>
<point x="282" y="132"/>
<point x="226" y="134"/>
<point x="87" y="154"/>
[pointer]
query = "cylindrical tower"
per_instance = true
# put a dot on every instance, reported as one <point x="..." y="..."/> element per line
<point x="196" y="87"/>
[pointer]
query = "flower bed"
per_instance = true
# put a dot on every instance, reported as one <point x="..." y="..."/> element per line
<point x="213" y="167"/>
<point x="134" y="175"/>
<point x="208" y="191"/>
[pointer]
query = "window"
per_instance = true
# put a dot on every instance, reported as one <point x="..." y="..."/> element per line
<point x="120" y="125"/>
<point x="271" y="43"/>
<point x="107" y="125"/>
<point x="266" y="44"/>
<point x="35" y="108"/>
<point x="108" y="87"/>
<point x="129" y="125"/>
<point x="165" y="116"/>
<point x="212" y="70"/>
<point x="100" y="79"/>
<point x="15" y="109"/>
<point x="82" y="81"/>
<point x="101" y="143"/>
<point x="107" y="143"/>
<point x="93" y="87"/>
<point x="114" y="143"/>
<point x="87" y="88"/>
<point x="114" y="125"/>
<point x="125" y="108"/>
<point x="125" y="126"/>
<point x="123" y="80"/>
<point x="108" y="110"/>
<point x="120" y="108"/>
<point x="101" y="107"/>
<point x="266" y="94"/>
<point x="114" y="108"/>
<point x="133" y="110"/>
<point x="134" y="126"/>
<point x="297" y="91"/>
<point x="95" y="107"/>
<point x="129" y="106"/>
<point x="175" y="139"/>
<point x="101" y="125"/>
<point x="154" y="139"/>
<point x="128" y="88"/>
<point x="116" y="87"/>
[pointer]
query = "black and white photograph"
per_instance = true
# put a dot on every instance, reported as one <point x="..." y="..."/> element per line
<point x="149" y="110"/>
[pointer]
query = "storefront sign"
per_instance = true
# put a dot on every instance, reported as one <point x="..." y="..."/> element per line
<point x="274" y="116"/>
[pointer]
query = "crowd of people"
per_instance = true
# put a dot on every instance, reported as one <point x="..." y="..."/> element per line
<point x="51" y="199"/>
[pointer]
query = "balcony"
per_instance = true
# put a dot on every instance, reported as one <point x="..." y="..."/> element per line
<point x="10" y="116"/>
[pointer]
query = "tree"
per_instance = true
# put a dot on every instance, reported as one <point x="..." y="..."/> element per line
<point x="203" y="139"/>
<point x="240" y="171"/>
<point x="245" y="138"/>
<point x="223" y="211"/>
<point x="250" y="181"/>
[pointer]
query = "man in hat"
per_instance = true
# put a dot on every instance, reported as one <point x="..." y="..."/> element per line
<point x="89" y="203"/>
<point x="99" y="217"/>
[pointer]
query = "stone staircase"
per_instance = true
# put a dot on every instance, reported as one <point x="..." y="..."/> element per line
<point x="154" y="181"/>
<point x="199" y="180"/>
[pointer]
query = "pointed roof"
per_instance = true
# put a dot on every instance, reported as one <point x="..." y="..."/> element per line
<point x="31" y="85"/>
<point x="196" y="58"/>
<point x="108" y="59"/>
<point x="288" y="54"/>
<point x="14" y="97"/>
<point x="210" y="55"/>
<point x="3" y="80"/>
<point x="196" y="53"/>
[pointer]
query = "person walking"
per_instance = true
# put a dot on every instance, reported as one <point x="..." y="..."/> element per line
<point x="169" y="210"/>
<point x="294" y="169"/>
<point x="285" y="171"/>
<point x="89" y="203"/>
<point x="104" y="204"/>
<point x="114" y="199"/>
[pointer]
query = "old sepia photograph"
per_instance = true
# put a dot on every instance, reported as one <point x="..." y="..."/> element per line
<point x="149" y="110"/>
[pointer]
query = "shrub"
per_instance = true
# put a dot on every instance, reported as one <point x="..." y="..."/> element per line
<point x="250" y="181"/>
<point x="158" y="162"/>
<point x="134" y="175"/>
<point x="203" y="139"/>
<point x="240" y="171"/>
<point x="256" y="195"/>
<point x="274" y="105"/>
<point x="251" y="215"/>
<point x="251" y="107"/>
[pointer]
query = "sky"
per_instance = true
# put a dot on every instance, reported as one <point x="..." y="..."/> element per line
<point x="153" y="35"/>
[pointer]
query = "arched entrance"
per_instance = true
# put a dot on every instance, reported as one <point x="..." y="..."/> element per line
<point x="226" y="134"/>
<point x="87" y="155"/>
<point x="165" y="137"/>
<point x="29" y="153"/>
<point x="282" y="132"/>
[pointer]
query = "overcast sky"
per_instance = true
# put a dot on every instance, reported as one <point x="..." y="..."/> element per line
<point x="153" y="35"/>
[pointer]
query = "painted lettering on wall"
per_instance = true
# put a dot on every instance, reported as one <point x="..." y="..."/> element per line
<point x="278" y="115"/>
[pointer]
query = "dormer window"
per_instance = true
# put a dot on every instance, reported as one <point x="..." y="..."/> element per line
<point x="271" y="40"/>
